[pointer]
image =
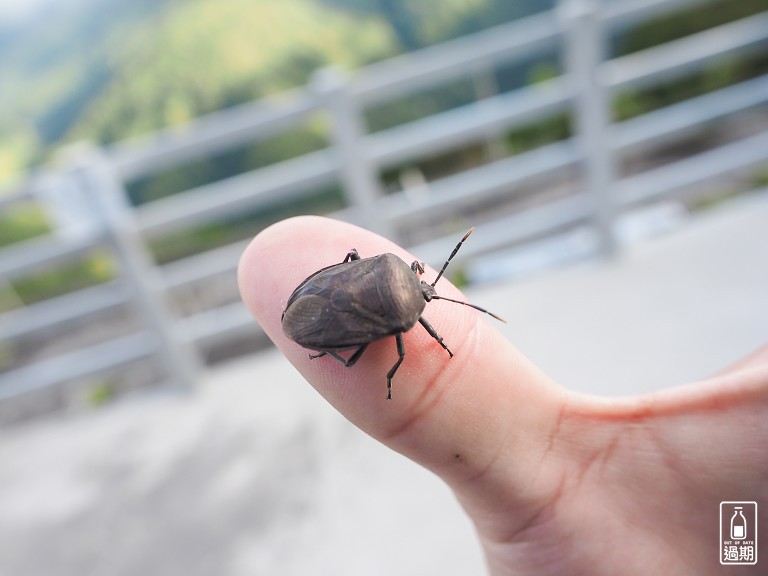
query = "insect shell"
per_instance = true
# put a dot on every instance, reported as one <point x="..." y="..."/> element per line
<point x="347" y="306"/>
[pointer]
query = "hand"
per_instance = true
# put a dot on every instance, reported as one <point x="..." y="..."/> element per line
<point x="556" y="482"/>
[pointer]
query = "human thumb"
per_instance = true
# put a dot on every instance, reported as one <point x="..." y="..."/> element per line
<point x="481" y="420"/>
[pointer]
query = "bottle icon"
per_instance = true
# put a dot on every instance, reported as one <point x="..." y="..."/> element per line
<point x="738" y="524"/>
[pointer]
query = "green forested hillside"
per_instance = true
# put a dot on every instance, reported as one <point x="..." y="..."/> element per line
<point x="104" y="70"/>
<point x="53" y="65"/>
<point x="204" y="55"/>
<point x="107" y="69"/>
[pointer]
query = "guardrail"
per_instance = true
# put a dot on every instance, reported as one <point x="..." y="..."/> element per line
<point x="90" y="207"/>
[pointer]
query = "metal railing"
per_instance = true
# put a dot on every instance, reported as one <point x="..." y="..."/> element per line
<point x="90" y="207"/>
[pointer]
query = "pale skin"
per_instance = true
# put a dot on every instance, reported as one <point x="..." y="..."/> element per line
<point x="556" y="482"/>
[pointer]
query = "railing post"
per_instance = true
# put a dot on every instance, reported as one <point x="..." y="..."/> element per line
<point x="69" y="210"/>
<point x="584" y="53"/>
<point x="94" y="176"/>
<point x="359" y="175"/>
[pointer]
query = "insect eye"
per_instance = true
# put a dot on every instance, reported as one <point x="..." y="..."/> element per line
<point x="428" y="291"/>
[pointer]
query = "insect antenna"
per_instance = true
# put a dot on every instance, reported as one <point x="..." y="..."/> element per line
<point x="499" y="318"/>
<point x="451" y="256"/>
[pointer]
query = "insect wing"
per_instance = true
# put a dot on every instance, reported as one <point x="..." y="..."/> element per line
<point x="336" y="308"/>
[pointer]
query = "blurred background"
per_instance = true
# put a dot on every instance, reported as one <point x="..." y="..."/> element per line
<point x="613" y="156"/>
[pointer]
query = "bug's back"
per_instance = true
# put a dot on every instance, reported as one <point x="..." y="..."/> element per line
<point x="347" y="305"/>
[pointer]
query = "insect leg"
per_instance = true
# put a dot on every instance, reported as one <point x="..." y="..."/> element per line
<point x="401" y="355"/>
<point x="432" y="332"/>
<point x="351" y="255"/>
<point x="356" y="356"/>
<point x="352" y="359"/>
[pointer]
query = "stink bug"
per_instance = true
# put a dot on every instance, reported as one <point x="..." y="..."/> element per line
<point x="347" y="306"/>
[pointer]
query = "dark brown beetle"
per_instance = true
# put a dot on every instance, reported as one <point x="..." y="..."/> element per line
<point x="347" y="306"/>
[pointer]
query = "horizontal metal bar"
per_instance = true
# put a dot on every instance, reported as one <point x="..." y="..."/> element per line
<point x="428" y="67"/>
<point x="211" y="134"/>
<point x="694" y="170"/>
<point x="15" y="194"/>
<point x="298" y="176"/>
<point x="447" y="130"/>
<point x="693" y="114"/>
<point x="220" y="323"/>
<point x="452" y="194"/>
<point x="75" y="306"/>
<point x="510" y="230"/>
<point x="631" y="12"/>
<point x="291" y="179"/>
<point x="675" y="58"/>
<point x="78" y="364"/>
<point x="204" y="265"/>
<point x="35" y="253"/>
<point x="651" y="185"/>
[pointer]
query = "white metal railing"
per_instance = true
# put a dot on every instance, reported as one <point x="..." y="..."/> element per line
<point x="91" y="209"/>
